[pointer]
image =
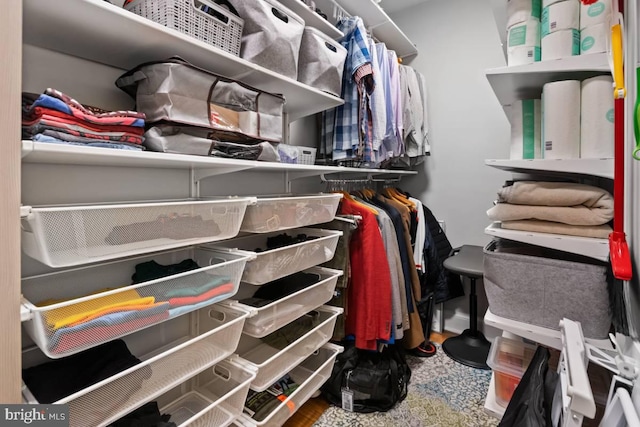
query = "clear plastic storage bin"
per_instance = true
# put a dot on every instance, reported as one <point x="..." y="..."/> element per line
<point x="81" y="308"/>
<point x="311" y="374"/>
<point x="282" y="350"/>
<point x="509" y="360"/>
<point x="201" y="19"/>
<point x="163" y="367"/>
<point x="213" y="398"/>
<point x="278" y="313"/>
<point x="280" y="213"/>
<point x="65" y="236"/>
<point x="272" y="264"/>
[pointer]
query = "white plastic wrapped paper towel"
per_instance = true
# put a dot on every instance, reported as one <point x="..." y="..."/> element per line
<point x="561" y="119"/>
<point x="561" y="44"/>
<point x="522" y="10"/>
<point x="594" y="39"/>
<point x="596" y="13"/>
<point x="526" y="122"/>
<point x="523" y="43"/>
<point x="564" y="15"/>
<point x="596" y="123"/>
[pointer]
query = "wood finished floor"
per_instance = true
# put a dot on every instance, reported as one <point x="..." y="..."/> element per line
<point x="313" y="409"/>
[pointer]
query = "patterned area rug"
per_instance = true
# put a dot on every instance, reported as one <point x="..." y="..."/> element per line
<point x="442" y="393"/>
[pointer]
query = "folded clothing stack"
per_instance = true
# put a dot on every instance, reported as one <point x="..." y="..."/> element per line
<point x="554" y="207"/>
<point x="54" y="117"/>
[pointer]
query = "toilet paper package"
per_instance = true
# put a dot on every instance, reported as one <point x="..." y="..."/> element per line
<point x="561" y="44"/>
<point x="594" y="39"/>
<point x="596" y="13"/>
<point x="564" y="15"/>
<point x="523" y="43"/>
<point x="522" y="10"/>
<point x="526" y="122"/>
<point x="561" y="119"/>
<point x="596" y="122"/>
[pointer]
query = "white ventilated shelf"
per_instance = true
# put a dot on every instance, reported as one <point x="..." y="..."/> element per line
<point x="545" y="336"/>
<point x="525" y="81"/>
<point x="491" y="406"/>
<point x="213" y="398"/>
<point x="312" y="19"/>
<point x="311" y="374"/>
<point x="116" y="37"/>
<point x="602" y="168"/>
<point x="38" y="152"/>
<point x="72" y="310"/>
<point x="278" y="313"/>
<point x="272" y="264"/>
<point x="160" y="370"/>
<point x="376" y="20"/>
<point x="586" y="246"/>
<point x="279" y="352"/>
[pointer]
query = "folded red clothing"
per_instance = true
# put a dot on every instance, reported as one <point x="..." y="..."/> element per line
<point x="87" y="110"/>
<point x="220" y="290"/>
<point x="40" y="113"/>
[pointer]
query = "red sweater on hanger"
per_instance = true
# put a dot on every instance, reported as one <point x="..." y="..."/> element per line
<point x="368" y="314"/>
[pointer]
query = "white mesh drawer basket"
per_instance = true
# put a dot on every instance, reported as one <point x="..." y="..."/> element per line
<point x="65" y="236"/>
<point x="272" y="264"/>
<point x="201" y="19"/>
<point x="271" y="36"/>
<point x="214" y="397"/>
<point x="280" y="312"/>
<point x="281" y="213"/>
<point x="309" y="376"/>
<point x="164" y="365"/>
<point x="297" y="154"/>
<point x="282" y="350"/>
<point x="321" y="62"/>
<point x="80" y="308"/>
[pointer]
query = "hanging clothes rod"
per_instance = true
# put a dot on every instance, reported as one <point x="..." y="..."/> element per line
<point x="368" y="179"/>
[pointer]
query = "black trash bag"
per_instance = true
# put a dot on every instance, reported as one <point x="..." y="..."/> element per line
<point x="378" y="380"/>
<point x="532" y="400"/>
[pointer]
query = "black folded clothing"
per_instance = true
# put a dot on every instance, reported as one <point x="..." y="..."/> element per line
<point x="59" y="378"/>
<point x="147" y="415"/>
<point x="151" y="270"/>
<point x="282" y="240"/>
<point x="286" y="286"/>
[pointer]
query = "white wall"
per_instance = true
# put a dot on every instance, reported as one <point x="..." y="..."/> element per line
<point x="457" y="41"/>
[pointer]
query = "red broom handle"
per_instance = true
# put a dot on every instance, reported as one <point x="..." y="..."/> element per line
<point x="618" y="171"/>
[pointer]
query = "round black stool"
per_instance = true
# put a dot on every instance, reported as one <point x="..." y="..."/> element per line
<point x="470" y="348"/>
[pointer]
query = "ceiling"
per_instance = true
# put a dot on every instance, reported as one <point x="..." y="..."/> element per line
<point x="391" y="6"/>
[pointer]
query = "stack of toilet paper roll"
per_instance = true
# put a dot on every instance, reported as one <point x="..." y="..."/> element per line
<point x="523" y="31"/>
<point x="560" y="29"/>
<point x="573" y="120"/>
<point x="595" y="26"/>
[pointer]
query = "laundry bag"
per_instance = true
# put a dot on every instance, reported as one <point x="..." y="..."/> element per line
<point x="321" y="61"/>
<point x="542" y="286"/>
<point x="177" y="91"/>
<point x="271" y="36"/>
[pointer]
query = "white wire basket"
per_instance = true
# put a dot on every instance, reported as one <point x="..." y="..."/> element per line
<point x="273" y="264"/>
<point x="201" y="19"/>
<point x="311" y="374"/>
<point x="161" y="369"/>
<point x="282" y="350"/>
<point x="66" y="236"/>
<point x="281" y="213"/>
<point x="215" y="397"/>
<point x="278" y="313"/>
<point x="91" y="307"/>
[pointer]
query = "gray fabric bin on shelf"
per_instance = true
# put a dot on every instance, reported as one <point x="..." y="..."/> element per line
<point x="321" y="62"/>
<point x="525" y="284"/>
<point x="179" y="92"/>
<point x="271" y="36"/>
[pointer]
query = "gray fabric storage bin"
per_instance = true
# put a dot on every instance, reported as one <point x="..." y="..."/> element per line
<point x="321" y="62"/>
<point x="271" y="36"/>
<point x="523" y="284"/>
<point x="179" y="92"/>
